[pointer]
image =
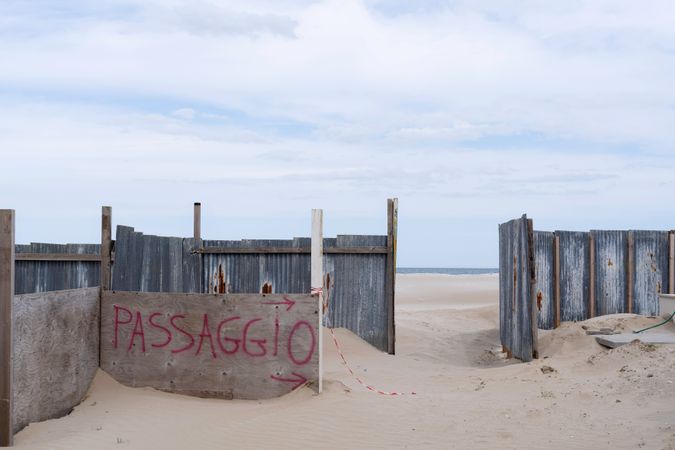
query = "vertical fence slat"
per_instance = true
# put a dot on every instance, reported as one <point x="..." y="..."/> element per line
<point x="574" y="275"/>
<point x="106" y="243"/>
<point x="671" y="262"/>
<point x="392" y="227"/>
<point x="6" y="326"/>
<point x="545" y="279"/>
<point x="649" y="270"/>
<point x="317" y="278"/>
<point x="629" y="273"/>
<point x="611" y="257"/>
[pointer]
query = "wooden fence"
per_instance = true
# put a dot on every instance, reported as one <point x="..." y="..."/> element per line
<point x="275" y="328"/>
<point x="580" y="275"/>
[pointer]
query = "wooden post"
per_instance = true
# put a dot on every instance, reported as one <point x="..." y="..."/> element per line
<point x="390" y="289"/>
<point x="106" y="244"/>
<point x="198" y="220"/>
<point x="6" y="335"/>
<point x="556" y="275"/>
<point x="317" y="278"/>
<point x="591" y="276"/>
<point x="629" y="274"/>
<point x="671" y="262"/>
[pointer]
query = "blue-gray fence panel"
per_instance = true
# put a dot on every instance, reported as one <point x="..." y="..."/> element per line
<point x="544" y="286"/>
<point x="247" y="273"/>
<point x="651" y="270"/>
<point x="357" y="299"/>
<point x="611" y="260"/>
<point x="574" y="275"/>
<point x="147" y="263"/>
<point x="43" y="276"/>
<point x="518" y="327"/>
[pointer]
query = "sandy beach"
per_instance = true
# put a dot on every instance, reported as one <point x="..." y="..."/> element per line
<point x="577" y="395"/>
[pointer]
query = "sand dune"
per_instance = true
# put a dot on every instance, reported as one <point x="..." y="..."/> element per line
<point x="448" y="352"/>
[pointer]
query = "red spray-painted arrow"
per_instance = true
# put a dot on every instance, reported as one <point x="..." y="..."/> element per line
<point x="287" y="301"/>
<point x="298" y="379"/>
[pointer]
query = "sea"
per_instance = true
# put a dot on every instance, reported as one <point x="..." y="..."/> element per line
<point x="447" y="270"/>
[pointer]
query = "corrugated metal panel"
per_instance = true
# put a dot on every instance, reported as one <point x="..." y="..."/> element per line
<point x="651" y="270"/>
<point x="149" y="263"/>
<point x="574" y="275"/>
<point x="248" y="273"/>
<point x="43" y="276"/>
<point x="517" y="308"/>
<point x="611" y="259"/>
<point x="358" y="297"/>
<point x="544" y="284"/>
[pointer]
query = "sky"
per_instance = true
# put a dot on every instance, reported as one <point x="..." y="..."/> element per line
<point x="471" y="113"/>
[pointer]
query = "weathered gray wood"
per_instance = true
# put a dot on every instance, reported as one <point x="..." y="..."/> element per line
<point x="518" y="312"/>
<point x="56" y="352"/>
<point x="671" y="262"/>
<point x="390" y="292"/>
<point x="617" y="340"/>
<point x="57" y="257"/>
<point x="263" y="363"/>
<point x="574" y="275"/>
<point x="650" y="269"/>
<point x="545" y="279"/>
<point x="197" y="228"/>
<point x="6" y="326"/>
<point x="290" y="250"/>
<point x="630" y="272"/>
<point x="192" y="266"/>
<point x="106" y="245"/>
<point x="611" y="256"/>
<point x="591" y="275"/>
<point x="318" y="280"/>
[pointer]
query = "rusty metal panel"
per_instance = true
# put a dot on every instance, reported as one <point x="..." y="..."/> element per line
<point x="611" y="259"/>
<point x="544" y="284"/>
<point x="518" y="327"/>
<point x="574" y="275"/>
<point x="43" y="276"/>
<point x="651" y="270"/>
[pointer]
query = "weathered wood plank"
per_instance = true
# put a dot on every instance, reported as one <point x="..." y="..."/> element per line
<point x="518" y="320"/>
<point x="671" y="262"/>
<point x="56" y="352"/>
<point x="57" y="257"/>
<point x="197" y="226"/>
<point x="390" y="280"/>
<point x="226" y="346"/>
<point x="317" y="279"/>
<point x="106" y="245"/>
<point x="7" y="222"/>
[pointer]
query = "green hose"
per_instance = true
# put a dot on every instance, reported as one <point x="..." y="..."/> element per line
<point x="657" y="325"/>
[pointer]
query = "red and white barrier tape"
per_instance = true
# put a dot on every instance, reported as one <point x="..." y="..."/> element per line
<point x="319" y="291"/>
<point x="370" y="388"/>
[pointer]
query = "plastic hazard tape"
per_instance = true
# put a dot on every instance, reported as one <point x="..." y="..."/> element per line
<point x="359" y="380"/>
<point x="319" y="291"/>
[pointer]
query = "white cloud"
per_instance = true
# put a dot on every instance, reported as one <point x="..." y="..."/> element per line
<point x="292" y="104"/>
